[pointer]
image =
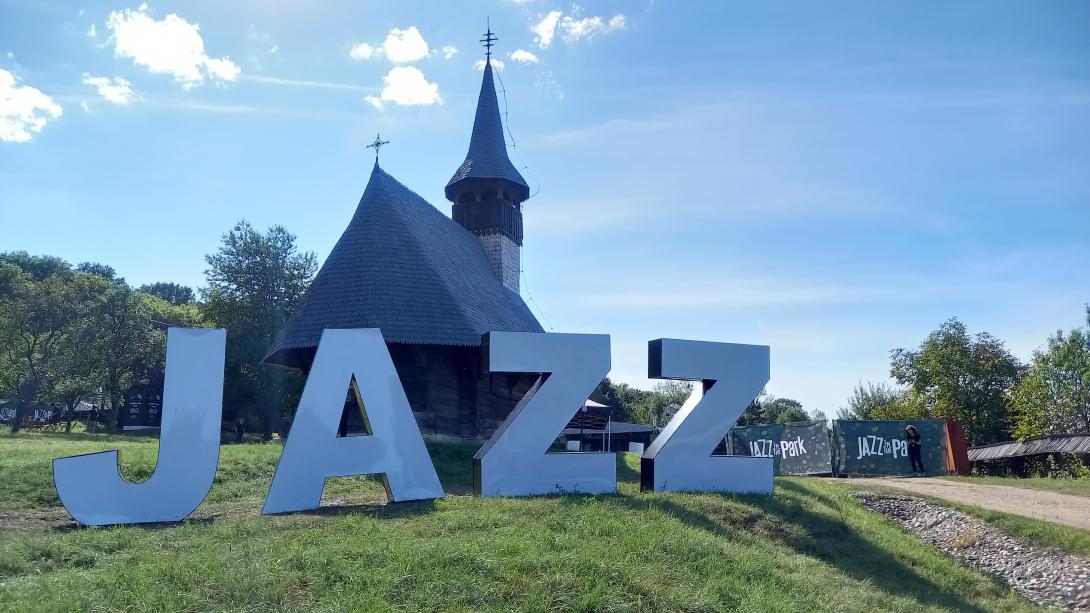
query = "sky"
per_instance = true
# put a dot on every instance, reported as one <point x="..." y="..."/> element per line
<point x="831" y="179"/>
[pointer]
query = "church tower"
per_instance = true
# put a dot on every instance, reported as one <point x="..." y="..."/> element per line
<point x="487" y="191"/>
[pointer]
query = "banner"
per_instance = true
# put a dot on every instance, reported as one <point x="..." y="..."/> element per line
<point x="880" y="447"/>
<point x="800" y="448"/>
<point x="142" y="409"/>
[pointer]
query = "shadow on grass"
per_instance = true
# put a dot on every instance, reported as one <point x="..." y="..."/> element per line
<point x="812" y="534"/>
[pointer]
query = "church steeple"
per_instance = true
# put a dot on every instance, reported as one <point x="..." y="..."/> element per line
<point x="487" y="190"/>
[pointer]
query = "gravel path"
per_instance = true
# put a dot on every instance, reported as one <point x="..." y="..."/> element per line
<point x="1047" y="578"/>
<point x="1039" y="504"/>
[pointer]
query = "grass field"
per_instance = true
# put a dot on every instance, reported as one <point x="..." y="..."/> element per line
<point x="1078" y="487"/>
<point x="808" y="547"/>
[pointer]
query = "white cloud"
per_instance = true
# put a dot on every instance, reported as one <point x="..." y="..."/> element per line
<point x="361" y="51"/>
<point x="572" y="29"/>
<point x="449" y="51"/>
<point x="406" y="86"/>
<point x="116" y="90"/>
<point x="404" y="46"/>
<point x="523" y="56"/>
<point x="24" y="110"/>
<point x="222" y="68"/>
<point x="400" y="47"/>
<point x="545" y="29"/>
<point x="496" y="64"/>
<point x="11" y="55"/>
<point x="92" y="32"/>
<point x="274" y="49"/>
<point x="170" y="45"/>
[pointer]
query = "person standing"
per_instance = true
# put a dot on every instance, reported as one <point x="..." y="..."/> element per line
<point x="914" y="449"/>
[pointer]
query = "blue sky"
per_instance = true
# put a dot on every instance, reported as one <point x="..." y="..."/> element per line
<point x="831" y="179"/>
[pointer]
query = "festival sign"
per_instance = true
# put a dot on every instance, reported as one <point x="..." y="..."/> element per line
<point x="142" y="408"/>
<point x="798" y="448"/>
<point x="880" y="447"/>
<point x="514" y="462"/>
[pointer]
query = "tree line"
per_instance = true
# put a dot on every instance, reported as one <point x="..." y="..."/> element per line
<point x="70" y="334"/>
<point x="81" y="333"/>
<point x="657" y="405"/>
<point x="976" y="380"/>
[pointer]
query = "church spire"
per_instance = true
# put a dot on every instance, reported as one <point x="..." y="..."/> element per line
<point x="487" y="190"/>
<point x="487" y="156"/>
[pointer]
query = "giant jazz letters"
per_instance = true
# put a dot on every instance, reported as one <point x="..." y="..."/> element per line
<point x="513" y="462"/>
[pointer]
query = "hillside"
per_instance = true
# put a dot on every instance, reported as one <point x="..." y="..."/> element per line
<point x="808" y="547"/>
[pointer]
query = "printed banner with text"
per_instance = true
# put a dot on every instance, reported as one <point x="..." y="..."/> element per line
<point x="880" y="447"/>
<point x="800" y="448"/>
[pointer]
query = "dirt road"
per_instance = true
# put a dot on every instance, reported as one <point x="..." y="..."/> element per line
<point x="1048" y="506"/>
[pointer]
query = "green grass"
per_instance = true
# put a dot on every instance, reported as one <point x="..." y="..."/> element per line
<point x="810" y="546"/>
<point x="1078" y="487"/>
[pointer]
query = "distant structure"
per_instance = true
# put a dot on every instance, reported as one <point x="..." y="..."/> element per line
<point x="432" y="284"/>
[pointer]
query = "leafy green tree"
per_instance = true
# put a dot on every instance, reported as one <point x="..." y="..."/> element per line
<point x="766" y="409"/>
<point x="1054" y="395"/>
<point x="170" y="292"/>
<point x="879" y="401"/>
<point x="75" y="370"/>
<point x="968" y="378"/>
<point x="37" y="310"/>
<point x="126" y="341"/>
<point x="37" y="266"/>
<point x="99" y="270"/>
<point x="631" y="404"/>
<point x="255" y="281"/>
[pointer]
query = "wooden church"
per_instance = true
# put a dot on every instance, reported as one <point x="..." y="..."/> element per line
<point x="432" y="284"/>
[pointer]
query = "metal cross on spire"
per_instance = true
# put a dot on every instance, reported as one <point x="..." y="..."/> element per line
<point x="488" y="40"/>
<point x="377" y="145"/>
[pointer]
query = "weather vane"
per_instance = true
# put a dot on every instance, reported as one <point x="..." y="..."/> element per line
<point x="377" y="145"/>
<point x="488" y="40"/>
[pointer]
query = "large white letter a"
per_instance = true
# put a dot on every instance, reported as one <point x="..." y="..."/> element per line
<point x="314" y="452"/>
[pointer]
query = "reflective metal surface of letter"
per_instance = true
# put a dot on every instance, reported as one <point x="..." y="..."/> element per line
<point x="314" y="451"/>
<point x="729" y="376"/>
<point x="91" y="487"/>
<point x="513" y="462"/>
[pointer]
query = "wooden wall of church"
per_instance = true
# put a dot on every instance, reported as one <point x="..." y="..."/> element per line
<point x="448" y="393"/>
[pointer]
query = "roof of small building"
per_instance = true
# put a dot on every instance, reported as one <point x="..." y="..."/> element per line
<point x="407" y="269"/>
<point x="487" y="156"/>
<point x="1054" y="443"/>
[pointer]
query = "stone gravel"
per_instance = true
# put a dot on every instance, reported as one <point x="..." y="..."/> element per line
<point x="1047" y="578"/>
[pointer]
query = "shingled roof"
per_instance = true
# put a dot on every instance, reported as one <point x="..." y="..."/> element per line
<point x="487" y="157"/>
<point x="404" y="267"/>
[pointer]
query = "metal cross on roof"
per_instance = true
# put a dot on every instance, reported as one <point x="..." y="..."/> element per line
<point x="378" y="144"/>
<point x="488" y="40"/>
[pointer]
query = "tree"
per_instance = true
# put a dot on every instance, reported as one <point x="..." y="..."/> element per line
<point x="255" y="281"/>
<point x="125" y="341"/>
<point x="37" y="309"/>
<point x="766" y="409"/>
<point x="1054" y="395"/>
<point x="37" y="266"/>
<point x="968" y="378"/>
<point x="75" y="370"/>
<point x="170" y="292"/>
<point x="631" y="404"/>
<point x="99" y="270"/>
<point x="879" y="401"/>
